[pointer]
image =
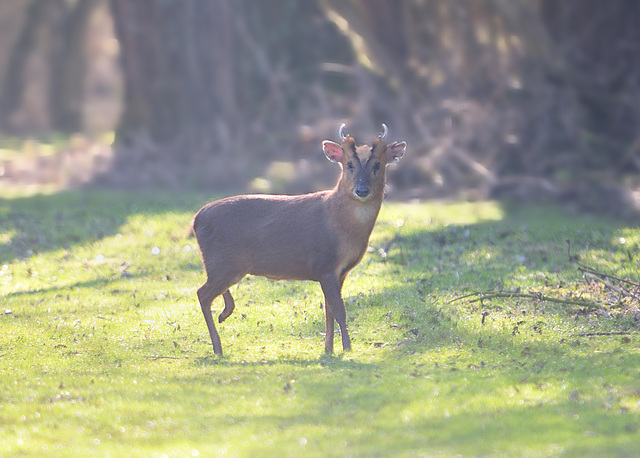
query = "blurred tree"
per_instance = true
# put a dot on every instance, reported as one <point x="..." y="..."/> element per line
<point x="466" y="80"/>
<point x="509" y="96"/>
<point x="178" y="59"/>
<point x="14" y="79"/>
<point x="204" y="79"/>
<point x="526" y="99"/>
<point x="68" y="64"/>
<point x="597" y="43"/>
<point x="57" y="28"/>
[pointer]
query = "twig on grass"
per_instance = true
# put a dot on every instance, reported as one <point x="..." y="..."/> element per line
<point x="155" y="357"/>
<point x="602" y="278"/>
<point x="611" y="333"/>
<point x="620" y="291"/>
<point x="587" y="269"/>
<point x="606" y="279"/>
<point x="483" y="295"/>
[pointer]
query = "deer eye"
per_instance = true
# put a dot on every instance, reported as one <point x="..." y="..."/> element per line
<point x="350" y="167"/>
<point x="376" y="167"/>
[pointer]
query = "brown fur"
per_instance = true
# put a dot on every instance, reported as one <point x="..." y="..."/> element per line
<point x="319" y="236"/>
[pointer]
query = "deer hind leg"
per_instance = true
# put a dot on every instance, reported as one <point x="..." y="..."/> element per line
<point x="229" y="305"/>
<point x="206" y="294"/>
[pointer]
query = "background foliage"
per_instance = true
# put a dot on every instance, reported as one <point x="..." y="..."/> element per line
<point x="523" y="98"/>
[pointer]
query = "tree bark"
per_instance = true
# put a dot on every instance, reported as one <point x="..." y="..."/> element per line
<point x="14" y="78"/>
<point x="68" y="67"/>
<point x="177" y="59"/>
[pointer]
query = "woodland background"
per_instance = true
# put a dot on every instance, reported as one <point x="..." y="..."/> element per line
<point x="518" y="99"/>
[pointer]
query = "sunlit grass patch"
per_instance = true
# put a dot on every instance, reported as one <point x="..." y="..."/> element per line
<point x="103" y="347"/>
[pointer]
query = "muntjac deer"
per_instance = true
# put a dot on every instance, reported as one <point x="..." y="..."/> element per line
<point x="319" y="236"/>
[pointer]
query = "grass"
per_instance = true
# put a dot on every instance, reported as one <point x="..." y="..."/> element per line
<point x="104" y="351"/>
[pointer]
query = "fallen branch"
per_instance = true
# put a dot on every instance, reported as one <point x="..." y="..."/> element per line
<point x="618" y="290"/>
<point x="155" y="357"/>
<point x="611" y="333"/>
<point x="483" y="295"/>
<point x="602" y="278"/>
<point x="586" y="269"/>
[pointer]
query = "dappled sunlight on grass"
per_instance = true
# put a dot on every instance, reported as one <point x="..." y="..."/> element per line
<point x="104" y="348"/>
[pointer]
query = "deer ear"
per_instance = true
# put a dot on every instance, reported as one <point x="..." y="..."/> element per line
<point x="332" y="150"/>
<point x="395" y="151"/>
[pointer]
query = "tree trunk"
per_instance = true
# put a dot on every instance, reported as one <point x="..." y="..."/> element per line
<point x="177" y="59"/>
<point x="14" y="78"/>
<point x="598" y="44"/>
<point x="211" y="79"/>
<point x="67" y="78"/>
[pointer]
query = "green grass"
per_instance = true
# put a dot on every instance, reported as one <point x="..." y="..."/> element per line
<point x="103" y="348"/>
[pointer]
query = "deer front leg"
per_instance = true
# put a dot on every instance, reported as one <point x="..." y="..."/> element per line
<point x="328" y="329"/>
<point x="331" y="287"/>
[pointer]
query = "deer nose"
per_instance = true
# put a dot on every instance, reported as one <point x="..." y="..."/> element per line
<point x="362" y="191"/>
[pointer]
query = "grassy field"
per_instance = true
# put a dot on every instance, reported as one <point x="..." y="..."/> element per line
<point x="104" y="351"/>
